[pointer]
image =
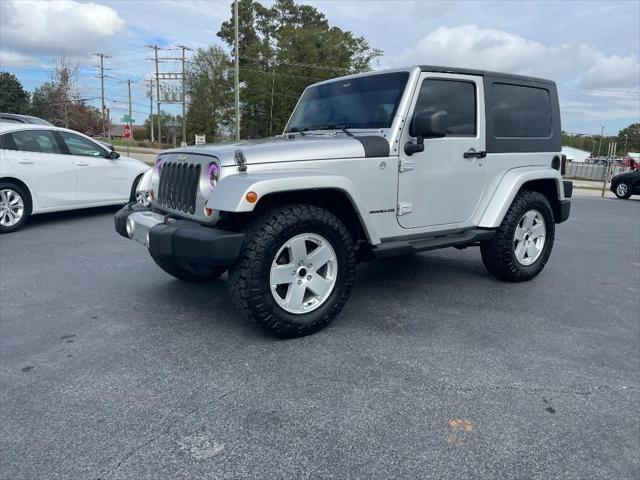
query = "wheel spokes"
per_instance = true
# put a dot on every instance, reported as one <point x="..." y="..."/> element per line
<point x="282" y="274"/>
<point x="295" y="296"/>
<point x="319" y="257"/>
<point x="298" y="249"/>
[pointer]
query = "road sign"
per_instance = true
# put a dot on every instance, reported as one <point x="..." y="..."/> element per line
<point x="127" y="131"/>
<point x="128" y="119"/>
<point x="200" y="140"/>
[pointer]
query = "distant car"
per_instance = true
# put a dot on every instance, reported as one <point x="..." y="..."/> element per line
<point x="17" y="118"/>
<point x="49" y="169"/>
<point x="626" y="184"/>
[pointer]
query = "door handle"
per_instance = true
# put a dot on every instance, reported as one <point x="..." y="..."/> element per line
<point x="473" y="154"/>
<point x="82" y="164"/>
<point x="24" y="161"/>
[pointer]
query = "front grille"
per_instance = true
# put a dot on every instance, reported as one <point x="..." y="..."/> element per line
<point x="179" y="186"/>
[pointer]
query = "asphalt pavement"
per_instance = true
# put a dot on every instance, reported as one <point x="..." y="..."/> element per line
<point x="111" y="369"/>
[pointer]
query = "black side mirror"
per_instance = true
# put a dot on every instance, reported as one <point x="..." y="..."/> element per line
<point x="426" y="124"/>
<point x="113" y="155"/>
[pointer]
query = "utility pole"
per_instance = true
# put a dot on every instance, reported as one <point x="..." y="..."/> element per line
<point x="130" y="120"/>
<point x="184" y="99"/>
<point x="102" y="56"/>
<point x="151" y="107"/>
<point x="108" y="124"/>
<point x="626" y="138"/>
<point x="237" y="71"/>
<point x="600" y="144"/>
<point x="613" y="146"/>
<point x="155" y="49"/>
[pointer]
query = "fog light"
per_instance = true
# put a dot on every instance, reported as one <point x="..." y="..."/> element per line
<point x="131" y="227"/>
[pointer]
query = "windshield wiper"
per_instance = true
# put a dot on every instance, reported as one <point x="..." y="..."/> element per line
<point x="344" y="128"/>
<point x="299" y="130"/>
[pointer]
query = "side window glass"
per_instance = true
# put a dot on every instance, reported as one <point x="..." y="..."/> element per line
<point x="40" y="141"/>
<point x="457" y="98"/>
<point x="78" y="145"/>
<point x="519" y="111"/>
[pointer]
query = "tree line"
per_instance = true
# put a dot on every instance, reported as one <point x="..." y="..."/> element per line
<point x="628" y="140"/>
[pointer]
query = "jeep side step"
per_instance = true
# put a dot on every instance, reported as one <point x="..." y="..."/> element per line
<point x="423" y="243"/>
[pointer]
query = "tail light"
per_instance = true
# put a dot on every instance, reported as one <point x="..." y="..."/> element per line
<point x="563" y="165"/>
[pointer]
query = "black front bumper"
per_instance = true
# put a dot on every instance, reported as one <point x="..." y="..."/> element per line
<point x="183" y="241"/>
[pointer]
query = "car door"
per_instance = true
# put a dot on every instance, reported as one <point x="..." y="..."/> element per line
<point x="440" y="186"/>
<point x="38" y="158"/>
<point x="100" y="179"/>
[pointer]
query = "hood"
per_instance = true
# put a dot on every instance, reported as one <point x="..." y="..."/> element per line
<point x="295" y="148"/>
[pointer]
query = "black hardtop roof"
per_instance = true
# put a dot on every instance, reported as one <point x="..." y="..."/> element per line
<point x="484" y="73"/>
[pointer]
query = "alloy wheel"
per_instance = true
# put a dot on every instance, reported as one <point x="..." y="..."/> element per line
<point x="11" y="207"/>
<point x="303" y="273"/>
<point x="529" y="237"/>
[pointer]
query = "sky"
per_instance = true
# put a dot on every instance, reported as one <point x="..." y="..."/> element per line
<point x="590" y="48"/>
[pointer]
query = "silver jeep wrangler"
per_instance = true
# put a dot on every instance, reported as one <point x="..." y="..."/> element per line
<point x="369" y="166"/>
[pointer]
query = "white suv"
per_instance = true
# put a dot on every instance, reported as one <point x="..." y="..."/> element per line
<point x="48" y="169"/>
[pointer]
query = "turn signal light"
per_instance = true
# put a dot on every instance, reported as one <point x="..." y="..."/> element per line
<point x="208" y="211"/>
<point x="252" y="197"/>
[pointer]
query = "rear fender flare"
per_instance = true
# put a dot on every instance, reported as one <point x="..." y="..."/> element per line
<point x="509" y="187"/>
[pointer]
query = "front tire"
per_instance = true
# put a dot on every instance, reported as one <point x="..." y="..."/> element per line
<point x="622" y="191"/>
<point x="523" y="242"/>
<point x="175" y="270"/>
<point x="15" y="207"/>
<point x="295" y="270"/>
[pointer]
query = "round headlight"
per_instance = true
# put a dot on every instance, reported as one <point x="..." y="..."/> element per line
<point x="214" y="174"/>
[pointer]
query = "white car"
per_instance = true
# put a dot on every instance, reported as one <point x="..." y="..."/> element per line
<point x="49" y="169"/>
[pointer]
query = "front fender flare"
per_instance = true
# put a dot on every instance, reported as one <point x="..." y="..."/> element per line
<point x="508" y="188"/>
<point x="230" y="194"/>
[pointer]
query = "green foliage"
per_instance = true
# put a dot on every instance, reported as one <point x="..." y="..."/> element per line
<point x="591" y="143"/>
<point x="632" y="133"/>
<point x="209" y="84"/>
<point x="283" y="49"/>
<point x="13" y="97"/>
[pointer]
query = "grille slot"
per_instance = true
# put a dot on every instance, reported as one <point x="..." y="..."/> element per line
<point x="179" y="186"/>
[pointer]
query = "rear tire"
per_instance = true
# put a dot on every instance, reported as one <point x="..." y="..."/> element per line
<point x="175" y="270"/>
<point x="307" y="296"/>
<point x="507" y="255"/>
<point x="15" y="207"/>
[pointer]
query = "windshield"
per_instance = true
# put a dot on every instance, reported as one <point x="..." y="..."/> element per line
<point x="361" y="102"/>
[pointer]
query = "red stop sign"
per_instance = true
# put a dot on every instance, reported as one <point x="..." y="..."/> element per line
<point x="127" y="131"/>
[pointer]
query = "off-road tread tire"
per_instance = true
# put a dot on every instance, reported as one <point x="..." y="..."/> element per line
<point x="498" y="255"/>
<point x="248" y="277"/>
<point x="186" y="275"/>
<point x="26" y="199"/>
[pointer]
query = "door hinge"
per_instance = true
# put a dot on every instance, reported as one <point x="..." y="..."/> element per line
<point x="404" y="208"/>
<point x="405" y="165"/>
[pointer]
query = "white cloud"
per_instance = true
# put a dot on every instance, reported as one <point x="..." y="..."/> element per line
<point x="16" y="60"/>
<point x="61" y="26"/>
<point x="490" y="49"/>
